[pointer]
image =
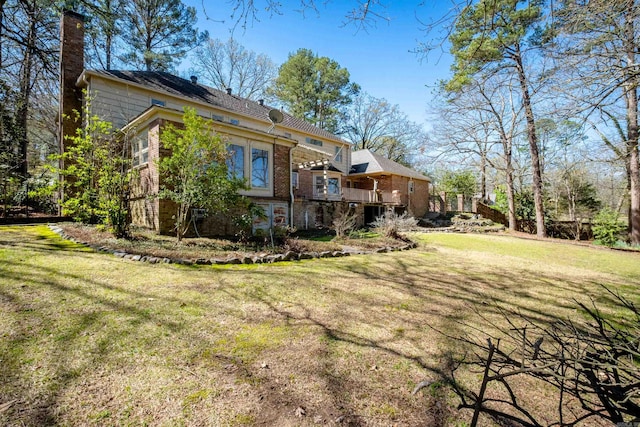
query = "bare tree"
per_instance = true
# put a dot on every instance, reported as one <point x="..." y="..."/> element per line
<point x="377" y="125"/>
<point x="229" y="65"/>
<point x="591" y="362"/>
<point x="482" y="123"/>
<point x="598" y="44"/>
<point x="29" y="48"/>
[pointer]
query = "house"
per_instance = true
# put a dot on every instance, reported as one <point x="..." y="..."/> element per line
<point x="381" y="184"/>
<point x="298" y="173"/>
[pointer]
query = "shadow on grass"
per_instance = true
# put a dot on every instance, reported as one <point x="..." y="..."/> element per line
<point x="357" y="302"/>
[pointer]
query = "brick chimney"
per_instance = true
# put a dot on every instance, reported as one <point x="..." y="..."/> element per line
<point x="71" y="66"/>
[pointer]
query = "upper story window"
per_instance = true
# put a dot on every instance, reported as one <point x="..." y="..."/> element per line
<point x="235" y="162"/>
<point x="338" y="156"/>
<point x="314" y="142"/>
<point x="217" y="117"/>
<point x="140" y="149"/>
<point x="157" y="102"/>
<point x="259" y="168"/>
<point x="234" y="121"/>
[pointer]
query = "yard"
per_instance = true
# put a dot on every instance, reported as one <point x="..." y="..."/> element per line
<point x="91" y="339"/>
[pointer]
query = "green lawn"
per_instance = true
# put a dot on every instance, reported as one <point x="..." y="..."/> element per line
<point x="92" y="339"/>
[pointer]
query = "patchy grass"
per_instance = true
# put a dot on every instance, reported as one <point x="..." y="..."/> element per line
<point x="91" y="339"/>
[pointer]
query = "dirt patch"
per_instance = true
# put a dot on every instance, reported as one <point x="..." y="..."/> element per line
<point x="145" y="243"/>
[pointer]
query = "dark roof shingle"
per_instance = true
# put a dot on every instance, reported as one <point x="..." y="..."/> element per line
<point x="366" y="161"/>
<point x="174" y="85"/>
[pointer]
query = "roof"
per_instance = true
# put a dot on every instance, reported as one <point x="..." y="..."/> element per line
<point x="177" y="86"/>
<point x="368" y="162"/>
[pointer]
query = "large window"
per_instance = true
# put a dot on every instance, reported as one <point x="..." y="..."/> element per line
<point x="235" y="162"/>
<point x="140" y="149"/>
<point x="332" y="186"/>
<point x="259" y="168"/>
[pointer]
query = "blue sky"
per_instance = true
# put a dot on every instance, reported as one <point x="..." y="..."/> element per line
<point x="379" y="59"/>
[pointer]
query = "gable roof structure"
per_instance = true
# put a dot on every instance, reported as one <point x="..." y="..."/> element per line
<point x="366" y="162"/>
<point x="177" y="86"/>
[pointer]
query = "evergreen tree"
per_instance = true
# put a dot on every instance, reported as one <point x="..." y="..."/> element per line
<point x="159" y="33"/>
<point x="314" y="88"/>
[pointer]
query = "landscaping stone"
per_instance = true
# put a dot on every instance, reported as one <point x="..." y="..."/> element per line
<point x="261" y="258"/>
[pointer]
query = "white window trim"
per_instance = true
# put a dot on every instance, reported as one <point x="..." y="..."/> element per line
<point x="248" y="146"/>
<point x="137" y="151"/>
<point x="324" y="194"/>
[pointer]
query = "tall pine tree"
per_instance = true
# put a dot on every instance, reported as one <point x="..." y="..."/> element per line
<point x="496" y="34"/>
<point x="160" y="33"/>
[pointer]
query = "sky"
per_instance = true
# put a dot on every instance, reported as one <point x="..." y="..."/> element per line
<point x="379" y="59"/>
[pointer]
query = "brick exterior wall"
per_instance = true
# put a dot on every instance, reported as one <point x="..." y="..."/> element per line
<point x="419" y="200"/>
<point x="305" y="185"/>
<point x="281" y="172"/>
<point x="71" y="66"/>
<point x="144" y="205"/>
<point x="148" y="211"/>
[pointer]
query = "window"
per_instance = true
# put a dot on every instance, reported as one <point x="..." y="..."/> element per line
<point x="235" y="162"/>
<point x="140" y="149"/>
<point x="294" y="180"/>
<point x="338" y="156"/>
<point x="259" y="168"/>
<point x="314" y="142"/>
<point x="319" y="185"/>
<point x="333" y="185"/>
<point x="234" y="121"/>
<point x="157" y="102"/>
<point x="410" y="189"/>
<point x="217" y="117"/>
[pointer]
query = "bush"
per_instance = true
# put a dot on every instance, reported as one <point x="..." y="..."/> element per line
<point x="391" y="224"/>
<point x="343" y="224"/>
<point x="607" y="228"/>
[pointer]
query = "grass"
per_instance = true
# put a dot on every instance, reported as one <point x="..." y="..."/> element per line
<point x="91" y="339"/>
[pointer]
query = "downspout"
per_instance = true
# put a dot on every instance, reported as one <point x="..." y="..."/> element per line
<point x="291" y="220"/>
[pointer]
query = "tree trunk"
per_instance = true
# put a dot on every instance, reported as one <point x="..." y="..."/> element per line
<point x="511" y="197"/>
<point x="541" y="230"/>
<point x="483" y="175"/>
<point x="22" y="111"/>
<point x="631" y="97"/>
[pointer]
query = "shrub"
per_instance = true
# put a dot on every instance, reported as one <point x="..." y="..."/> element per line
<point x="343" y="224"/>
<point x="391" y="224"/>
<point x="607" y="227"/>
